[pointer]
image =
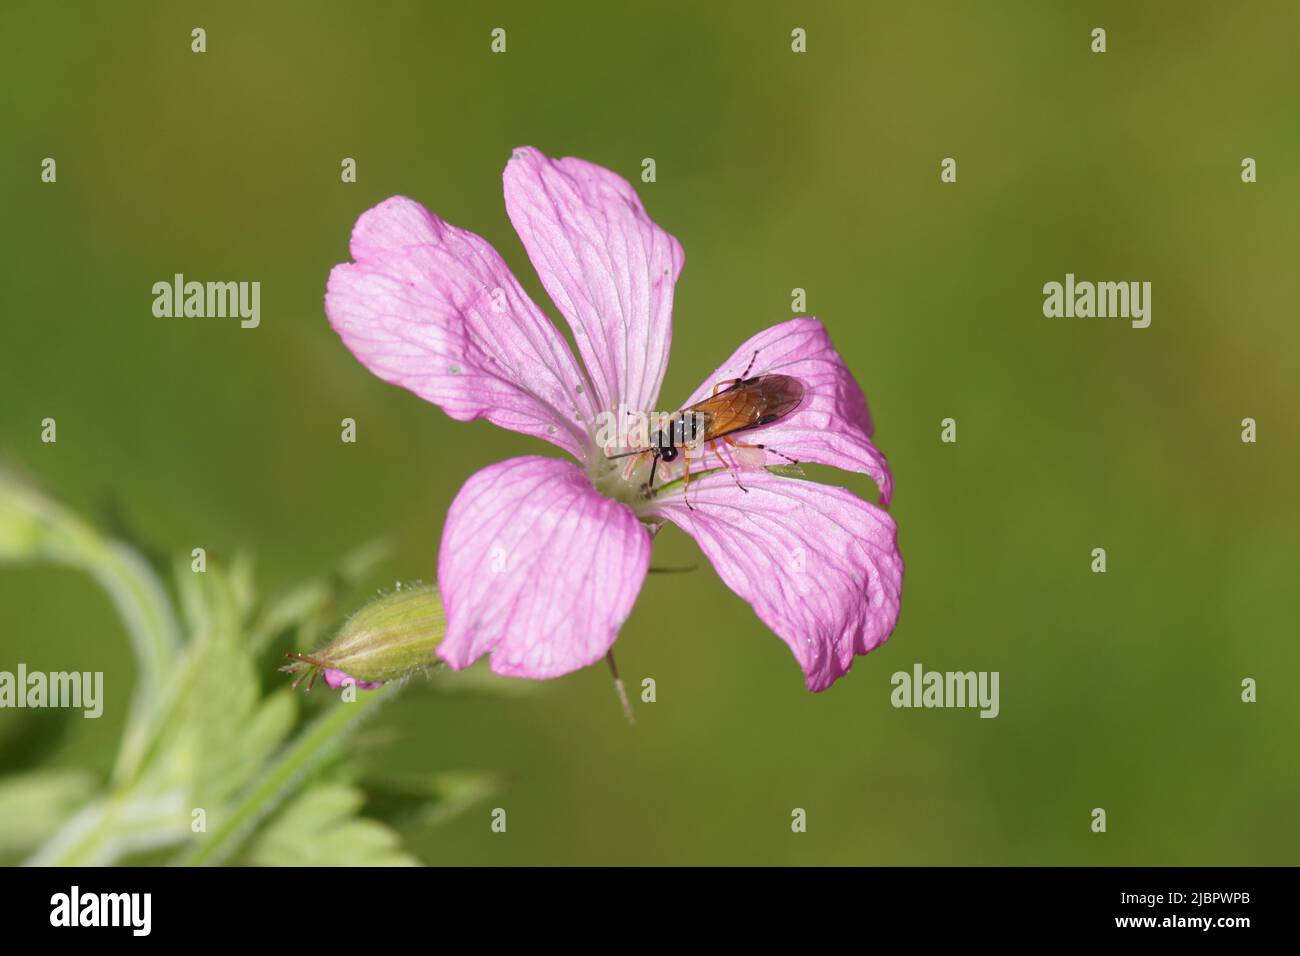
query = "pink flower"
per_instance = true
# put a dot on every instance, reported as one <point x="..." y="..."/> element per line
<point x="542" y="558"/>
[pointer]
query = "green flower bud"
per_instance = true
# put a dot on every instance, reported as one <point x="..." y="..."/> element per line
<point x="390" y="637"/>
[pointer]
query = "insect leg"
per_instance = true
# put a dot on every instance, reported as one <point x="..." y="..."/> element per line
<point x="686" y="487"/>
<point x="735" y="444"/>
<point x="728" y="382"/>
<point x="731" y="467"/>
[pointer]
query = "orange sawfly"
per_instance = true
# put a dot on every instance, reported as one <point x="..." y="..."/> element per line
<point x="736" y="405"/>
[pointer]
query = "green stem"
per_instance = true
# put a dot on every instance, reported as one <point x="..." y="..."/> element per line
<point x="34" y="528"/>
<point x="143" y="604"/>
<point x="269" y="790"/>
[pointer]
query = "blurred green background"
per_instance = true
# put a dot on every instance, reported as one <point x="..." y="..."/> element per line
<point x="775" y="171"/>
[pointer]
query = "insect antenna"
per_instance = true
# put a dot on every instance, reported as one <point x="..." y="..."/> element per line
<point x="752" y="359"/>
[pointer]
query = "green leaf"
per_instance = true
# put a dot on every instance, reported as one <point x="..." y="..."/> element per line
<point x="321" y="828"/>
<point x="277" y="783"/>
<point x="427" y="801"/>
<point x="34" y="805"/>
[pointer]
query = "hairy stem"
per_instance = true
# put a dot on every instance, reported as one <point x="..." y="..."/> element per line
<point x="281" y="778"/>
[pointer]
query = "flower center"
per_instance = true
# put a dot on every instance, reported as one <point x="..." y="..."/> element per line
<point x="618" y="479"/>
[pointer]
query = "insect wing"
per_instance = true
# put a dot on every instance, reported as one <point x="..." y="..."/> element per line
<point x="749" y="404"/>
<point x="781" y="395"/>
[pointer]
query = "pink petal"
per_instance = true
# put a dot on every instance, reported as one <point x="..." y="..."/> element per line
<point x="820" y="565"/>
<point x="606" y="265"/>
<point x="537" y="568"/>
<point x="336" y="678"/>
<point x="832" y="426"/>
<point x="434" y="309"/>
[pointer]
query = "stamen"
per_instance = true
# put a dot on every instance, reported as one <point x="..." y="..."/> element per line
<point x="620" y="689"/>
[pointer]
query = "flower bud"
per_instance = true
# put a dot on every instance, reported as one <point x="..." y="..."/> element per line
<point x="390" y="637"/>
